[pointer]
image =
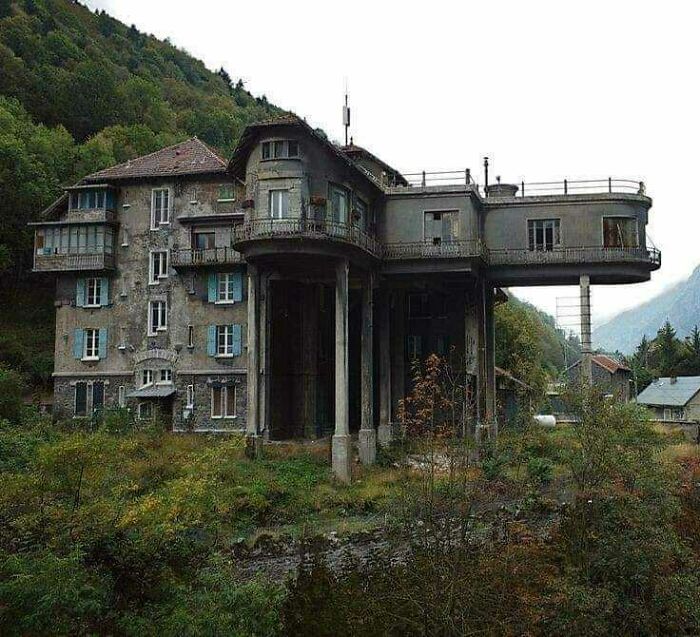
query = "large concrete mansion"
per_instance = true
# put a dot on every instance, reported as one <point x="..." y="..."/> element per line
<point x="285" y="292"/>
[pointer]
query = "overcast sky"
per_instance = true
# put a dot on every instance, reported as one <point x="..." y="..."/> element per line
<point x="546" y="89"/>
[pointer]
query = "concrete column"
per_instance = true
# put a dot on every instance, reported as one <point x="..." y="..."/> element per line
<point x="586" y="347"/>
<point x="490" y="360"/>
<point x="367" y="435"/>
<point x="342" y="447"/>
<point x="384" y="429"/>
<point x="398" y="346"/>
<point x="253" y="376"/>
<point x="264" y="357"/>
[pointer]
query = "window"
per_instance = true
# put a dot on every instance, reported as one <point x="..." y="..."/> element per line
<point x="80" y="399"/>
<point x="189" y="400"/>
<point x="339" y="203"/>
<point x="415" y="347"/>
<point x="620" y="232"/>
<point x="145" y="411"/>
<point x="190" y="336"/>
<point x="160" y="207"/>
<point x="93" y="292"/>
<point x="98" y="395"/>
<point x="439" y="227"/>
<point x="225" y="287"/>
<point x="146" y="377"/>
<point x="226" y="192"/>
<point x="442" y="345"/>
<point x="159" y="266"/>
<point x="279" y="204"/>
<point x="224" y="340"/>
<point x="543" y="234"/>
<point x="157" y="317"/>
<point x="165" y="376"/>
<point x="91" y="351"/>
<point x="223" y="402"/>
<point x="204" y="240"/>
<point x="75" y="240"/>
<point x="121" y="396"/>
<point x="360" y="217"/>
<point x="419" y="305"/>
<point x="280" y="149"/>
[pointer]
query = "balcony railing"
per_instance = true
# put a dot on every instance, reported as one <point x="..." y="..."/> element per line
<point x="67" y="262"/>
<point x="599" y="254"/>
<point x="209" y="256"/>
<point x="306" y="229"/>
<point x="580" y="187"/>
<point x="425" y="250"/>
<point x="424" y="179"/>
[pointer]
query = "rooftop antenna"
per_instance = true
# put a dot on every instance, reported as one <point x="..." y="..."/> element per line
<point x="346" y="113"/>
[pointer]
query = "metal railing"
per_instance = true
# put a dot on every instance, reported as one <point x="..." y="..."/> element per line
<point x="439" y="178"/>
<point x="208" y="256"/>
<point x="580" y="186"/>
<point x="428" y="250"/>
<point x="306" y="229"/>
<point x="593" y="254"/>
<point x="66" y="262"/>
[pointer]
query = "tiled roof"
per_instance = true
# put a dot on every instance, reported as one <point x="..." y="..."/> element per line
<point x="353" y="150"/>
<point x="674" y="392"/>
<point x="609" y="363"/>
<point x="190" y="157"/>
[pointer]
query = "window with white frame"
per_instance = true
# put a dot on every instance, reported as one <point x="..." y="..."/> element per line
<point x="91" y="347"/>
<point x="280" y="149"/>
<point x="224" y="340"/>
<point x="189" y="397"/>
<point x="223" y="402"/>
<point x="543" y="235"/>
<point x="145" y="411"/>
<point x="146" y="377"/>
<point x="225" y="284"/>
<point x="226" y="193"/>
<point x="160" y="207"/>
<point x="165" y="376"/>
<point x="157" y="317"/>
<point x="159" y="266"/>
<point x="279" y="204"/>
<point x="93" y="292"/>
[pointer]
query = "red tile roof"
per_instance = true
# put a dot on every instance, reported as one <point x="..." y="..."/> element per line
<point x="191" y="157"/>
<point x="609" y="364"/>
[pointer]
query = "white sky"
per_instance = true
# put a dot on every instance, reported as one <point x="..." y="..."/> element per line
<point x="546" y="89"/>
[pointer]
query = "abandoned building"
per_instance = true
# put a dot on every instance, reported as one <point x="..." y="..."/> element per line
<point x="610" y="375"/>
<point x="286" y="291"/>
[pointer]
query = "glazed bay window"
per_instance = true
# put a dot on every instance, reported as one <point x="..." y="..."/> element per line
<point x="620" y="232"/>
<point x="159" y="266"/>
<point x="157" y="317"/>
<point x="88" y="239"/>
<point x="279" y="204"/>
<point x="339" y="201"/>
<point x="280" y="149"/>
<point x="160" y="207"/>
<point x="223" y="402"/>
<point x="543" y="235"/>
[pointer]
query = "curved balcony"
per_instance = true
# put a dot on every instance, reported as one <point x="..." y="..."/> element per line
<point x="201" y="258"/>
<point x="290" y="234"/>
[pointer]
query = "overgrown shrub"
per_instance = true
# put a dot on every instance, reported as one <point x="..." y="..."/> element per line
<point x="11" y="390"/>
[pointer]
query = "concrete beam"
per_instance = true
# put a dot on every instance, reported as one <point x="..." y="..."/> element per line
<point x="367" y="434"/>
<point x="342" y="447"/>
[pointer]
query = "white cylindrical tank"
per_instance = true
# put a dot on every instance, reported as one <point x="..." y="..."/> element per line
<point x="546" y="420"/>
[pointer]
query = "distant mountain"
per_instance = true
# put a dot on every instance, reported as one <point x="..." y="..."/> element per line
<point x="680" y="305"/>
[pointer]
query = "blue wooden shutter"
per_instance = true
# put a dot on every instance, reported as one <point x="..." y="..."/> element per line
<point x="78" y="336"/>
<point x="104" y="291"/>
<point x="80" y="293"/>
<point x="237" y="340"/>
<point x="103" y="343"/>
<point x="213" y="280"/>
<point x="211" y="340"/>
<point x="237" y="286"/>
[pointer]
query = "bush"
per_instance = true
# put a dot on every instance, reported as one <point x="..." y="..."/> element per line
<point x="11" y="389"/>
<point x="540" y="470"/>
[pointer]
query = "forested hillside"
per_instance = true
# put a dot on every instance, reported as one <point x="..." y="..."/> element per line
<point x="80" y="91"/>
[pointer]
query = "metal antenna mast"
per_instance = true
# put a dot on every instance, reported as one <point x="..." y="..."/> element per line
<point x="346" y="113"/>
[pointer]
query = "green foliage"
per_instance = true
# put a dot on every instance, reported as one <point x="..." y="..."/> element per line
<point x="540" y="470"/>
<point x="11" y="390"/>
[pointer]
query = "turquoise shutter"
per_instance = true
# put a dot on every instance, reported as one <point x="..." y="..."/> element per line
<point x="104" y="291"/>
<point x="237" y="287"/>
<point x="78" y="336"/>
<point x="237" y="340"/>
<point x="212" y="287"/>
<point x="80" y="293"/>
<point x="211" y="340"/>
<point x="103" y="343"/>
